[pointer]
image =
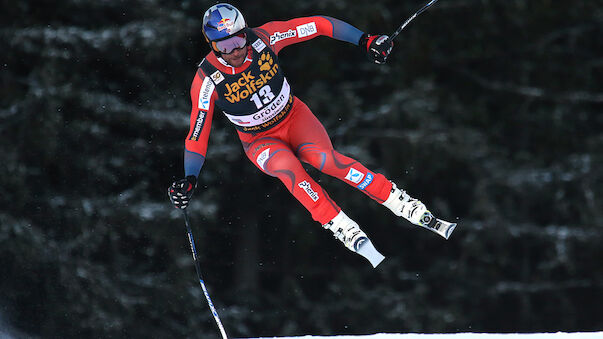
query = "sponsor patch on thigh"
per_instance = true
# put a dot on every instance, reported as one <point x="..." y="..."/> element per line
<point x="367" y="181"/>
<point x="262" y="158"/>
<point x="306" y="186"/>
<point x="354" y="175"/>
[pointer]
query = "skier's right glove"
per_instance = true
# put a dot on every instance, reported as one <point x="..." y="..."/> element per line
<point x="182" y="190"/>
<point x="377" y="47"/>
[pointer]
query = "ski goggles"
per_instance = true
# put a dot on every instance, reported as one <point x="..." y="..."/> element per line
<point x="228" y="45"/>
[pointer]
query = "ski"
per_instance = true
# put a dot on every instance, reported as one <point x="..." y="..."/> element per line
<point x="439" y="226"/>
<point x="365" y="248"/>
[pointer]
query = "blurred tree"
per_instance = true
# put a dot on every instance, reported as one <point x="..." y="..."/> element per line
<point x="489" y="110"/>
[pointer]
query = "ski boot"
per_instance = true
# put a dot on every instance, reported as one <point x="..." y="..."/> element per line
<point x="350" y="234"/>
<point x="415" y="211"/>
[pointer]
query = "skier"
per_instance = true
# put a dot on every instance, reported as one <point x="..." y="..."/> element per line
<point x="242" y="77"/>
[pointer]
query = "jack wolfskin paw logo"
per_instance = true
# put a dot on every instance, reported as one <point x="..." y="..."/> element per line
<point x="265" y="62"/>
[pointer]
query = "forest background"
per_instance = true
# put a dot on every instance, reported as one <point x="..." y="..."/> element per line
<point x="487" y="110"/>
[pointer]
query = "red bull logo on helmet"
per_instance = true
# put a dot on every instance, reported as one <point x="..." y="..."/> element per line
<point x="225" y="24"/>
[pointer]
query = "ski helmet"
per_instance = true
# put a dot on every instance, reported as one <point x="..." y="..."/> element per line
<point x="222" y="21"/>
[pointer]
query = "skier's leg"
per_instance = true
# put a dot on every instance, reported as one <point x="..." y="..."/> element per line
<point x="313" y="145"/>
<point x="275" y="158"/>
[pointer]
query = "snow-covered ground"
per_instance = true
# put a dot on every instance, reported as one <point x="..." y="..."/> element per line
<point x="559" y="335"/>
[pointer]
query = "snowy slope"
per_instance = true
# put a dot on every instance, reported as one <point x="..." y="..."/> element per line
<point x="580" y="335"/>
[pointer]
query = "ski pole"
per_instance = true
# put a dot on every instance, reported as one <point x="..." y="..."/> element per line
<point x="395" y="34"/>
<point x="198" y="268"/>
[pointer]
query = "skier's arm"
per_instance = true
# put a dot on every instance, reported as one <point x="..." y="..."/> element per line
<point x="195" y="146"/>
<point x="203" y="96"/>
<point x="280" y="34"/>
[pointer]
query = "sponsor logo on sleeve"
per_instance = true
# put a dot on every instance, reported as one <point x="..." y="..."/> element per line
<point x="278" y="36"/>
<point x="263" y="157"/>
<point x="207" y="89"/>
<point x="306" y="29"/>
<point x="217" y="77"/>
<point x="198" y="125"/>
<point x="306" y="186"/>
<point x="354" y="175"/>
<point x="367" y="181"/>
<point x="259" y="45"/>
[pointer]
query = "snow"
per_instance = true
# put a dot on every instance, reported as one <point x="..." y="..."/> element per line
<point x="558" y="335"/>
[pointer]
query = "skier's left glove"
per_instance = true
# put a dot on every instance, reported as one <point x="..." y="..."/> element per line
<point x="377" y="47"/>
<point x="181" y="191"/>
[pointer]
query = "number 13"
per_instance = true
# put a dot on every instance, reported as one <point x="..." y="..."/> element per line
<point x="266" y="94"/>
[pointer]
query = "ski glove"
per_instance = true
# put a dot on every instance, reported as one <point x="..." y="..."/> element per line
<point x="182" y="190"/>
<point x="377" y="47"/>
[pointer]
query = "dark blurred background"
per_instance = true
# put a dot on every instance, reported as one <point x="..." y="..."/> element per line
<point x="487" y="110"/>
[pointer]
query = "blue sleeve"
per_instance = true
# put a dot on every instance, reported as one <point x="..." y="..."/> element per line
<point x="344" y="31"/>
<point x="192" y="163"/>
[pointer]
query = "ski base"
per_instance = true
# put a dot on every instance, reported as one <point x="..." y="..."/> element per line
<point x="439" y="226"/>
<point x="366" y="249"/>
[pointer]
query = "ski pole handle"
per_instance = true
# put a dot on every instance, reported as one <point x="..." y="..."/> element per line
<point x="395" y="34"/>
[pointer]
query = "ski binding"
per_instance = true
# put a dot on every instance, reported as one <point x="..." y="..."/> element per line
<point x="439" y="226"/>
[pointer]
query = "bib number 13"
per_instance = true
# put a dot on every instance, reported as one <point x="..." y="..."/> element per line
<point x="262" y="97"/>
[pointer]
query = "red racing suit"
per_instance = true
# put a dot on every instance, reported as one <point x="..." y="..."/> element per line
<point x="277" y="130"/>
